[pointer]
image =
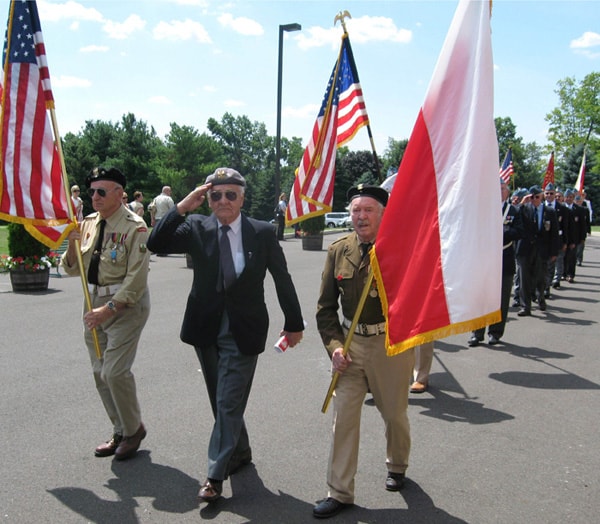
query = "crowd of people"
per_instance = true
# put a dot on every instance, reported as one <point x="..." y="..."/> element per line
<point x="226" y="318"/>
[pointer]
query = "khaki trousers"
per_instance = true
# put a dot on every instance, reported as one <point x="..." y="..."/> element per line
<point x="388" y="379"/>
<point x="423" y="361"/>
<point x="115" y="382"/>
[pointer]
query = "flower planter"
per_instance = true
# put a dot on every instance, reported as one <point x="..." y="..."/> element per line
<point x="25" y="281"/>
<point x="312" y="242"/>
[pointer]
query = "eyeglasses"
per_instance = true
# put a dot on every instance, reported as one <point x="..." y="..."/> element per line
<point x="215" y="196"/>
<point x="101" y="192"/>
<point x="537" y="196"/>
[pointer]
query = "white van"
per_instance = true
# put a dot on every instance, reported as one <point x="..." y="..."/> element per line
<point x="336" y="219"/>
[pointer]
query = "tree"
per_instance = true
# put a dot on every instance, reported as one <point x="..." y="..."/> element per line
<point x="189" y="158"/>
<point x="352" y="167"/>
<point x="248" y="149"/>
<point x="392" y="156"/>
<point x="577" y="118"/>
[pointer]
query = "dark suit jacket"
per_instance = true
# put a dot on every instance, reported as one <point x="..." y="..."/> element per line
<point x="244" y="300"/>
<point x="580" y="224"/>
<point x="544" y="242"/>
<point x="512" y="231"/>
<point x="564" y="225"/>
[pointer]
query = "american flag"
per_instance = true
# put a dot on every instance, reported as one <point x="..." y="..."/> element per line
<point x="341" y="115"/>
<point x="507" y="170"/>
<point x="32" y="191"/>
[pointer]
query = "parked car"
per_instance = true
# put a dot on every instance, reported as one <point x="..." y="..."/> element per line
<point x="348" y="223"/>
<point x="336" y="219"/>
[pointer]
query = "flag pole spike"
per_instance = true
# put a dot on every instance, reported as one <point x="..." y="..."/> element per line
<point x="340" y="16"/>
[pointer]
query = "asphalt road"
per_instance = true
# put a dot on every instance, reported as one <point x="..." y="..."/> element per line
<point x="508" y="434"/>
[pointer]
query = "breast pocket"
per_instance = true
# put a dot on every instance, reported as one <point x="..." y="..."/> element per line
<point x="345" y="280"/>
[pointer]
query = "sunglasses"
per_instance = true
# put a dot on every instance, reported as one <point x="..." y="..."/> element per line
<point x="215" y="196"/>
<point x="537" y="196"/>
<point x="101" y="192"/>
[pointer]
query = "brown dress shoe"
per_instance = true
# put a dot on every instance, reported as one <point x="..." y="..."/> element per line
<point x="108" y="448"/>
<point x="418" y="387"/>
<point x="211" y="490"/>
<point x="129" y="445"/>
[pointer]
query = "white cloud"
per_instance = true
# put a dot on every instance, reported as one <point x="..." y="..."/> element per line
<point x="377" y="29"/>
<point x="588" y="39"/>
<point x="123" y="30"/>
<point x="362" y="30"/>
<point x="68" y="11"/>
<point x="160" y="100"/>
<point x="178" y="30"/>
<point x="306" y="111"/>
<point x="233" y="103"/>
<point x="241" y="25"/>
<point x="70" y="81"/>
<point x="94" y="49"/>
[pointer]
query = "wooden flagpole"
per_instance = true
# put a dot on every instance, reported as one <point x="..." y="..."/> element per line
<point x="359" y="308"/>
<point x="86" y="292"/>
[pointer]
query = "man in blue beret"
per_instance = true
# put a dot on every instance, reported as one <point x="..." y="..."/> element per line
<point x="539" y="244"/>
<point x="556" y="268"/>
<point x="578" y="233"/>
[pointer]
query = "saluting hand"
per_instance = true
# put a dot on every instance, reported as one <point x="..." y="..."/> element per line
<point x="194" y="200"/>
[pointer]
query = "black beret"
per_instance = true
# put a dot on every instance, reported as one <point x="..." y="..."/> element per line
<point x="225" y="175"/>
<point x="376" y="192"/>
<point x="101" y="173"/>
<point x="535" y="190"/>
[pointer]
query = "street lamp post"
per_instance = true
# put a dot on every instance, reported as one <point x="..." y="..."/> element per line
<point x="282" y="28"/>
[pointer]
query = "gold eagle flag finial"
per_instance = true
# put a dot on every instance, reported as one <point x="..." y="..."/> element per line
<point x="340" y="16"/>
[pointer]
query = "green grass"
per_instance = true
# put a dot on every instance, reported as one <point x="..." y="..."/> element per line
<point x="3" y="240"/>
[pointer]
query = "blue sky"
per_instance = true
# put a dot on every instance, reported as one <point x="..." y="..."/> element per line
<point x="185" y="61"/>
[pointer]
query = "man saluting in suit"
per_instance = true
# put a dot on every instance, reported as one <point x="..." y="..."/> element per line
<point x="226" y="318"/>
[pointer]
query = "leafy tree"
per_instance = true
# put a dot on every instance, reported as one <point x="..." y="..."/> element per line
<point x="577" y="118"/>
<point x="352" y="167"/>
<point x="137" y="151"/>
<point x="250" y="150"/>
<point x="190" y="156"/>
<point x="392" y="156"/>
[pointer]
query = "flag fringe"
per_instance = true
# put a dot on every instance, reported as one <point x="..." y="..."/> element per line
<point x="443" y="332"/>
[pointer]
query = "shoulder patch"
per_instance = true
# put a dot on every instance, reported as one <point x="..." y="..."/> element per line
<point x="142" y="229"/>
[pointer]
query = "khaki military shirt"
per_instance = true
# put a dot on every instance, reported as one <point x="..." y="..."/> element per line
<point x="124" y="258"/>
<point x="344" y="277"/>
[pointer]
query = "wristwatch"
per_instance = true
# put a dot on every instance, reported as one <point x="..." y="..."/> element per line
<point x="112" y="306"/>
